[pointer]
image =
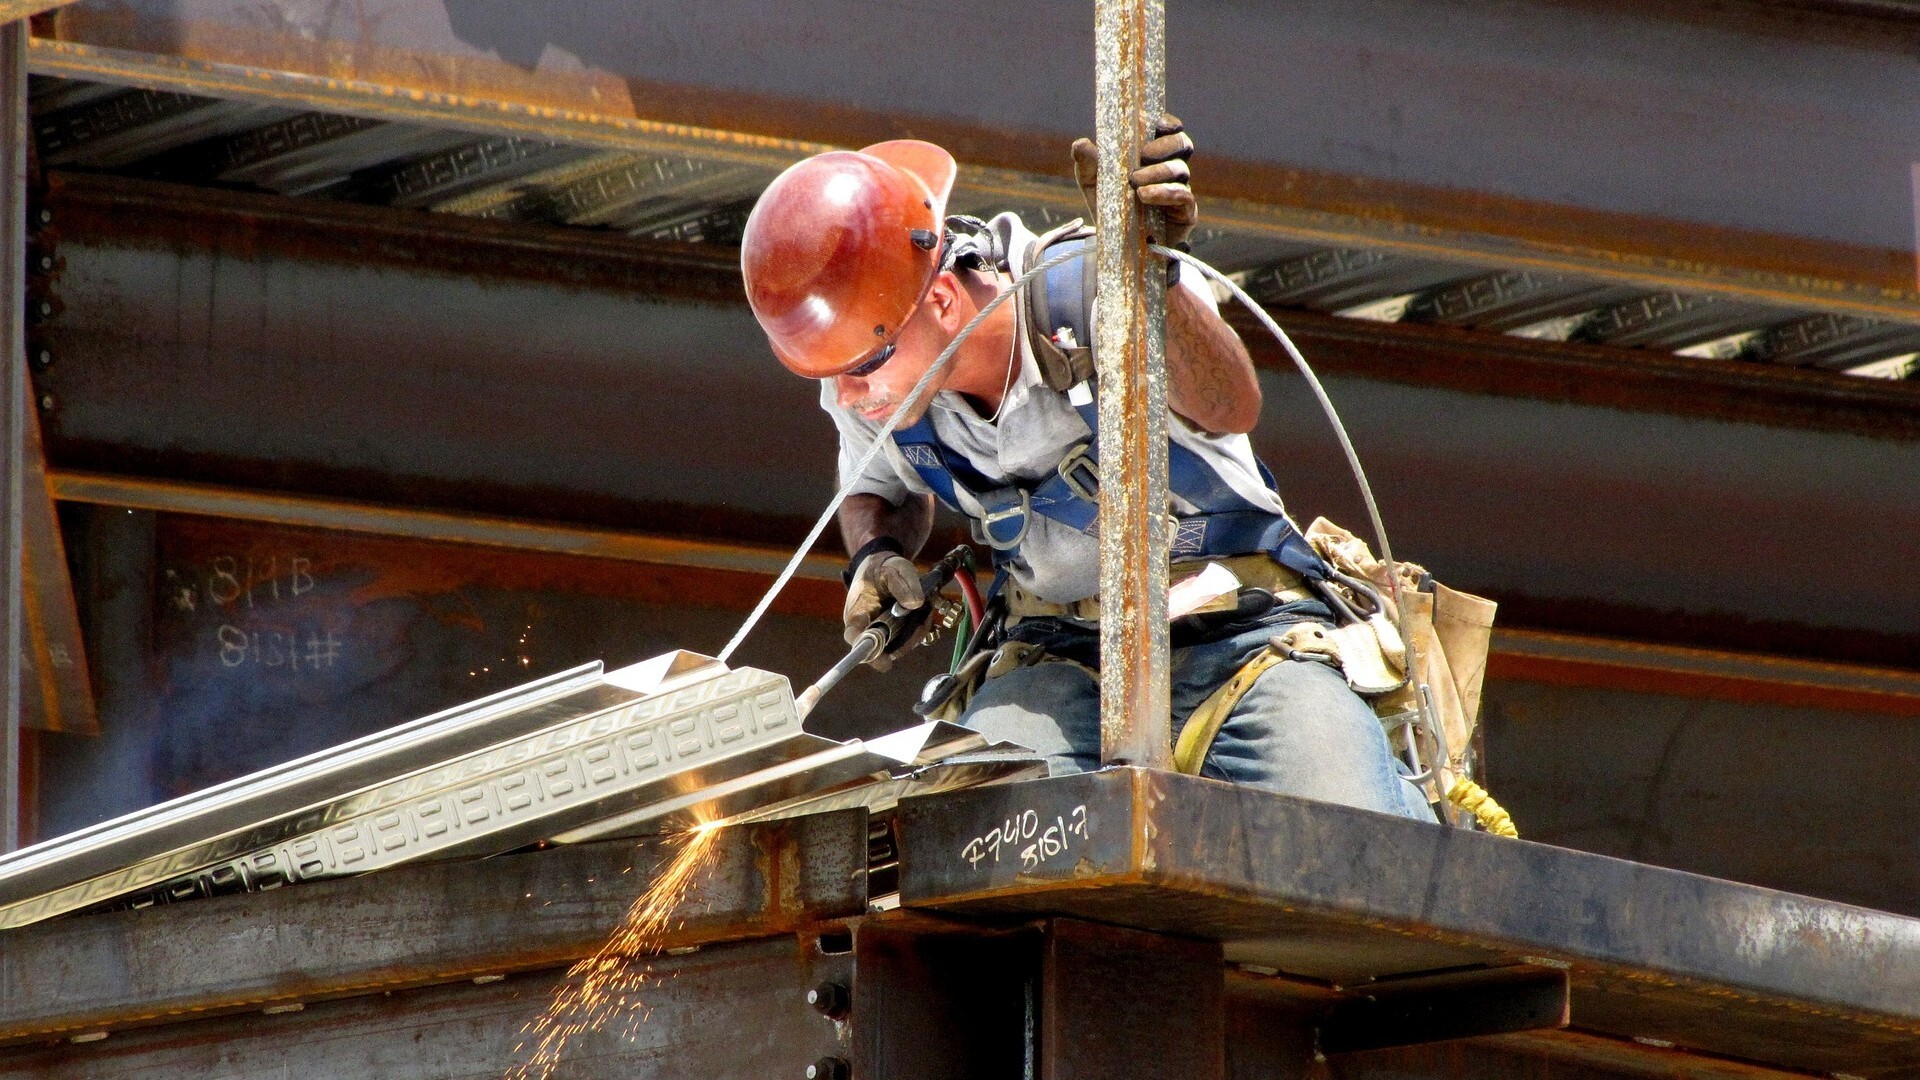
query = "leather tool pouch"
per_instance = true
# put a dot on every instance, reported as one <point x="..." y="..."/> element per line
<point x="1451" y="633"/>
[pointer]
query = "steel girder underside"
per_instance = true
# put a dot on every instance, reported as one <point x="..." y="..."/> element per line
<point x="1090" y="926"/>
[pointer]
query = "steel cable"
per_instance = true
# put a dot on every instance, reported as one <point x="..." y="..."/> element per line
<point x="1353" y="463"/>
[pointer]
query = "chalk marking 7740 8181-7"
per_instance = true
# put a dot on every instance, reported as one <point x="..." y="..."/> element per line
<point x="1034" y="841"/>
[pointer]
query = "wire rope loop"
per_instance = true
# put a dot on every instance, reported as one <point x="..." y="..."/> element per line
<point x="1340" y="432"/>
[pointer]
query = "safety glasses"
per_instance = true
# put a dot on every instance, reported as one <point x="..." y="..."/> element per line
<point x="872" y="363"/>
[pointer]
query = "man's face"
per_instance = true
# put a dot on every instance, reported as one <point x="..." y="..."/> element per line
<point x="878" y="393"/>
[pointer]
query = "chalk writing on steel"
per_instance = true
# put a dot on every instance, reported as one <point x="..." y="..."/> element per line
<point x="1033" y="840"/>
<point x="230" y="581"/>
<point x="239" y="589"/>
<point x="316" y="651"/>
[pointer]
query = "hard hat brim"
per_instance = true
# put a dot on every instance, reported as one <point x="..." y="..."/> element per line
<point x="925" y="162"/>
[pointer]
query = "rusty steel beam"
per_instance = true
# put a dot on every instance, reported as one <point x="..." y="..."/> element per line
<point x="1637" y="380"/>
<point x="1787" y="681"/>
<point x="1519" y="654"/>
<point x="104" y="210"/>
<point x="1563" y="1055"/>
<point x="93" y="208"/>
<point x="13" y="412"/>
<point x="601" y="109"/>
<point x="55" y="654"/>
<point x="1129" y="335"/>
<point x="727" y="1010"/>
<point x="282" y="508"/>
<point x="408" y="101"/>
<point x="1344" y="896"/>
<point x="433" y="923"/>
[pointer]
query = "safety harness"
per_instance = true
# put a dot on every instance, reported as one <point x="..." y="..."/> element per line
<point x="1059" y="317"/>
<point x="1055" y="312"/>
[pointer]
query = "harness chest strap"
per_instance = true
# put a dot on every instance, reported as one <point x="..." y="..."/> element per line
<point x="1227" y="523"/>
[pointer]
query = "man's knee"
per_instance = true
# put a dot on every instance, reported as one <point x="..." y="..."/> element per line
<point x="1315" y="704"/>
<point x="1052" y="709"/>
<point x="1301" y="730"/>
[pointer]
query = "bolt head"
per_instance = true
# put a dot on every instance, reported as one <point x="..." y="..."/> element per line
<point x="830" y="999"/>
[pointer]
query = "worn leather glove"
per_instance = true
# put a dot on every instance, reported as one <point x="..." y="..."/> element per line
<point x="881" y="579"/>
<point x="1163" y="179"/>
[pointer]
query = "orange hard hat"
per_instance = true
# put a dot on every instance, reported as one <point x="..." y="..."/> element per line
<point x="841" y="248"/>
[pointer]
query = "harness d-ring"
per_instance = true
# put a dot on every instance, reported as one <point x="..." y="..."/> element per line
<point x="983" y="530"/>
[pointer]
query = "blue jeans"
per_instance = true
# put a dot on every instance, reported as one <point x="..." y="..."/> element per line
<point x="1300" y="730"/>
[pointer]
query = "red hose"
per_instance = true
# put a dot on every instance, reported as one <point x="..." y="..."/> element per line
<point x="975" y="605"/>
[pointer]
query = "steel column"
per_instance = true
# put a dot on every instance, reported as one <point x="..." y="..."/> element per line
<point x="939" y="1000"/>
<point x="1120" y="1002"/>
<point x="1130" y="345"/>
<point x="13" y="405"/>
<point x="56" y="688"/>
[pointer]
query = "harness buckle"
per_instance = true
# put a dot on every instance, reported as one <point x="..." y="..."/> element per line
<point x="983" y="528"/>
<point x="1081" y="473"/>
<point x="1186" y="537"/>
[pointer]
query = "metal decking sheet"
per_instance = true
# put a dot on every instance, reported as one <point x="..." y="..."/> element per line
<point x="676" y="740"/>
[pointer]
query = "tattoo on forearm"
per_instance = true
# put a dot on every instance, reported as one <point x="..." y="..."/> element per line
<point x="1207" y="382"/>
<point x="1208" y="365"/>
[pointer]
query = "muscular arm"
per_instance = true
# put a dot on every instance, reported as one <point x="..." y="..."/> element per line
<point x="1210" y="377"/>
<point x="864" y="516"/>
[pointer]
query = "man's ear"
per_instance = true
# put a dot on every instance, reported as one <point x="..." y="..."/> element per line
<point x="944" y="294"/>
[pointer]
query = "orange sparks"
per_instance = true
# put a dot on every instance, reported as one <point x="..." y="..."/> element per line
<point x="606" y="985"/>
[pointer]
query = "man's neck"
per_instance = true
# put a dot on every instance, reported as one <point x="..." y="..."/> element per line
<point x="985" y="368"/>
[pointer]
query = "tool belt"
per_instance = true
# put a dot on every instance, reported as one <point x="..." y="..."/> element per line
<point x="1450" y="633"/>
<point x="1258" y="571"/>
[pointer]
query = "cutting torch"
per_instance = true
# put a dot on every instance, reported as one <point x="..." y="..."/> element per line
<point x="893" y="628"/>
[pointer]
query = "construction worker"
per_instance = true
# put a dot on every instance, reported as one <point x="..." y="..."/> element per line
<point x="860" y="280"/>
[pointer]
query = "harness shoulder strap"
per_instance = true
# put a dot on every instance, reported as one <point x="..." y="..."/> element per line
<point x="1059" y="307"/>
<point x="945" y="472"/>
<point x="1057" y="314"/>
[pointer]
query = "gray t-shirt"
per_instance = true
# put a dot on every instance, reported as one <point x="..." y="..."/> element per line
<point x="1037" y="427"/>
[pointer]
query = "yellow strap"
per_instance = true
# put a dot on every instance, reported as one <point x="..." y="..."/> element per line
<point x="1474" y="799"/>
<point x="1196" y="738"/>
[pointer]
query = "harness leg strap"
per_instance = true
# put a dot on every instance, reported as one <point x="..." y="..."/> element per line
<point x="1203" y="726"/>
